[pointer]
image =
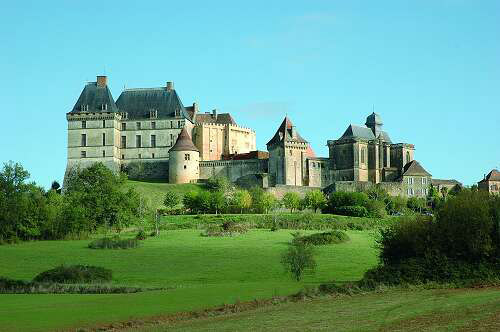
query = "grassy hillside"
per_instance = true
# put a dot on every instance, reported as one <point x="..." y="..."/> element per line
<point x="199" y="272"/>
<point x="424" y="310"/>
<point x="154" y="192"/>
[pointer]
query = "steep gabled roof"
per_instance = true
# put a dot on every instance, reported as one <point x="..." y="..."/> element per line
<point x="284" y="134"/>
<point x="354" y="131"/>
<point x="494" y="175"/>
<point x="95" y="96"/>
<point x="414" y="168"/>
<point x="139" y="102"/>
<point x="184" y="142"/>
<point x="384" y="136"/>
<point x="222" y="118"/>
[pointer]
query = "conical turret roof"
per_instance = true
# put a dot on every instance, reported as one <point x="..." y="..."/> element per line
<point x="184" y="142"/>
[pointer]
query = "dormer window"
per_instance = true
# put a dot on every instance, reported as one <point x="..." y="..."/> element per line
<point x="124" y="115"/>
<point x="104" y="107"/>
<point x="177" y="112"/>
<point x="84" y="108"/>
<point x="153" y="114"/>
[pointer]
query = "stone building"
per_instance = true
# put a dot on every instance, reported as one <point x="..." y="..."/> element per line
<point x="490" y="182"/>
<point x="151" y="127"/>
<point x="142" y="126"/>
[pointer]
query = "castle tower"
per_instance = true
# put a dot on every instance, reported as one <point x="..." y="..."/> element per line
<point x="93" y="134"/>
<point x="287" y="156"/>
<point x="374" y="122"/>
<point x="183" y="164"/>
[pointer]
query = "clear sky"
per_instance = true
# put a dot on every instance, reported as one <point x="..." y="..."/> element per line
<point x="431" y="68"/>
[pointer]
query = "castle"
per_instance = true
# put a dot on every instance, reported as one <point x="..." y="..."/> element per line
<point x="151" y="126"/>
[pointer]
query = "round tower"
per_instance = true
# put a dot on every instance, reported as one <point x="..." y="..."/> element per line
<point x="183" y="160"/>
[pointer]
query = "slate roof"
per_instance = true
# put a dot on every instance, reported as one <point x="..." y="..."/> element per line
<point x="139" y="102"/>
<point x="384" y="136"/>
<point x="222" y="118"/>
<point x="494" y="175"/>
<point x="374" y="118"/>
<point x="354" y="131"/>
<point x="284" y="134"/>
<point x="414" y="168"/>
<point x="442" y="182"/>
<point x="184" y="142"/>
<point x="95" y="96"/>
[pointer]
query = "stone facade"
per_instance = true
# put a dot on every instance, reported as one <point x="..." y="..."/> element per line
<point x="490" y="182"/>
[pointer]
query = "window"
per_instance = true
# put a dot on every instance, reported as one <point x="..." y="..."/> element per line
<point x="104" y="107"/>
<point x="410" y="180"/>
<point x="138" y="125"/>
<point x="104" y="123"/>
<point x="153" y="155"/>
<point x="171" y="124"/>
<point x="408" y="156"/>
<point x="123" y="156"/>
<point x="291" y="152"/>
<point x="179" y="124"/>
<point x="424" y="181"/>
<point x="153" y="114"/>
<point x="153" y="125"/>
<point x="84" y="124"/>
<point x="410" y="191"/>
<point x="124" y="126"/>
<point x="153" y="141"/>
<point x="171" y="139"/>
<point x="184" y="166"/>
<point x="124" y="142"/>
<point x="362" y="155"/>
<point x="138" y="141"/>
<point x="186" y="156"/>
<point x="140" y="156"/>
<point x="103" y="153"/>
<point x="84" y="140"/>
<point x="103" y="139"/>
<point x="83" y="154"/>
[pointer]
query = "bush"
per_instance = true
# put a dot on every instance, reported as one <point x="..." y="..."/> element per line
<point x="339" y="199"/>
<point x="228" y="228"/>
<point x="376" y="209"/>
<point x="141" y="235"/>
<point x="113" y="243"/>
<point x="298" y="259"/>
<point x="324" y="238"/>
<point x="75" y="274"/>
<point x="352" y="211"/>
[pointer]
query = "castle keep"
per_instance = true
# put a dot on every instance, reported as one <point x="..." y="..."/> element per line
<point x="151" y="126"/>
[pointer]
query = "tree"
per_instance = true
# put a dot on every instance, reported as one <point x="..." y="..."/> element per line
<point x="218" y="183"/>
<point x="171" y="199"/>
<point x="291" y="200"/>
<point x="315" y="200"/>
<point x="298" y="259"/>
<point x="242" y="200"/>
<point x="103" y="195"/>
<point x="190" y="201"/>
<point x="217" y="201"/>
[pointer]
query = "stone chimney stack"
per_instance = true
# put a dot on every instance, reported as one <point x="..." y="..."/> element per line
<point x="195" y="107"/>
<point x="170" y="86"/>
<point x="102" y="81"/>
<point x="214" y="114"/>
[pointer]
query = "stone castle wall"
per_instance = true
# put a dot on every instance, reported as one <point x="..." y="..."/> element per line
<point x="232" y="169"/>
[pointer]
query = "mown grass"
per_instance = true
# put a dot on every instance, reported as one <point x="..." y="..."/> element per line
<point x="155" y="191"/>
<point x="422" y="310"/>
<point x="198" y="272"/>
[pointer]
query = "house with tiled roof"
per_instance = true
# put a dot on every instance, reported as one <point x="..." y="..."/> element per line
<point x="490" y="182"/>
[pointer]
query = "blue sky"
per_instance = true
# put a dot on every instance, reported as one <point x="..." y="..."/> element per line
<point x="430" y="68"/>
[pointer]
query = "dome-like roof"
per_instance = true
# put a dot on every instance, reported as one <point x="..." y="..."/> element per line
<point x="184" y="142"/>
<point x="373" y="118"/>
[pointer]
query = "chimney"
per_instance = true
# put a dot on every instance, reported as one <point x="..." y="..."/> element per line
<point x="102" y="81"/>
<point x="170" y="86"/>
<point x="294" y="132"/>
<point x="195" y="107"/>
<point x="214" y="114"/>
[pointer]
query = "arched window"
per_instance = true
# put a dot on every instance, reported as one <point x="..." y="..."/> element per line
<point x="408" y="156"/>
<point x="363" y="155"/>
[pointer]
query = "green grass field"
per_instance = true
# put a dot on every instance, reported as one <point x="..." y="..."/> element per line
<point x="198" y="272"/>
<point x="423" y="310"/>
<point x="155" y="192"/>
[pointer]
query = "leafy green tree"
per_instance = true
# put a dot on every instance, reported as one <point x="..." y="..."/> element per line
<point x="242" y="200"/>
<point x="291" y="200"/>
<point x="204" y="201"/>
<point x="299" y="259"/>
<point x="102" y="193"/>
<point x="217" y="201"/>
<point x="190" y="201"/>
<point x="56" y="187"/>
<point x="171" y="200"/>
<point x="218" y="183"/>
<point x="263" y="201"/>
<point x="315" y="200"/>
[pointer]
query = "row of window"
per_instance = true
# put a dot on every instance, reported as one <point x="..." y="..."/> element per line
<point x="138" y="125"/>
<point x="138" y="140"/>
<point x="83" y="154"/>
<point x="422" y="191"/>
<point x="424" y="180"/>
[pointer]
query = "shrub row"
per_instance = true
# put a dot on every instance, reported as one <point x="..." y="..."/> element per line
<point x="75" y="274"/>
<point x="332" y="237"/>
<point x="226" y="229"/>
